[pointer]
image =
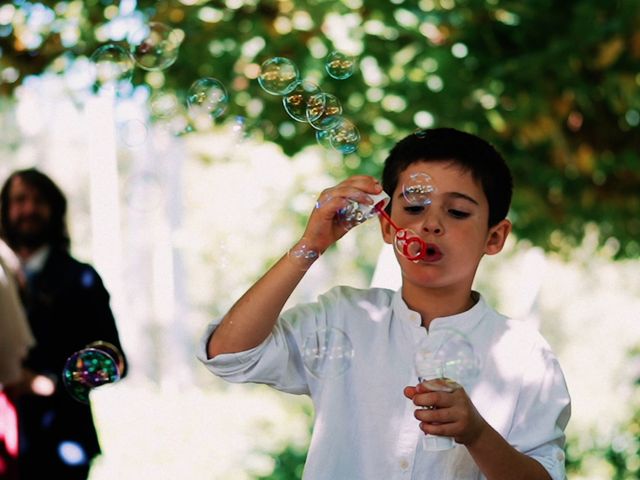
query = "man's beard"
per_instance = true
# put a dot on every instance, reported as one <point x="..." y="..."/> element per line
<point x="30" y="238"/>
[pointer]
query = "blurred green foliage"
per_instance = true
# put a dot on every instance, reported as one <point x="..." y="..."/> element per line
<point x="554" y="85"/>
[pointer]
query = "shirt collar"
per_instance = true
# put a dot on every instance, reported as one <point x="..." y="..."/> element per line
<point x="463" y="322"/>
<point x="35" y="263"/>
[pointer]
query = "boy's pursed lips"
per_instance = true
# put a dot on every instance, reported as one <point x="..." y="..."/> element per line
<point x="432" y="253"/>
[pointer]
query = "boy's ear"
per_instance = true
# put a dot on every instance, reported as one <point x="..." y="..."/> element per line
<point x="388" y="233"/>
<point x="497" y="236"/>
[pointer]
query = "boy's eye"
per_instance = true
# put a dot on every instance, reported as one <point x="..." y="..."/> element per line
<point x="414" y="209"/>
<point x="458" y="213"/>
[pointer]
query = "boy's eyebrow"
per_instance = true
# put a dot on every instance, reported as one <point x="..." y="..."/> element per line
<point x="454" y="195"/>
<point x="463" y="196"/>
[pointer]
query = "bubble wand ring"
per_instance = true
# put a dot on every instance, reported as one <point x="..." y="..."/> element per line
<point x="406" y="236"/>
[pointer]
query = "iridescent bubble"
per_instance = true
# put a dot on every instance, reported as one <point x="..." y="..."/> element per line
<point x="418" y="188"/>
<point x="327" y="353"/>
<point x="340" y="65"/>
<point x="207" y="99"/>
<point x="322" y="137"/>
<point x="87" y="369"/>
<point x="295" y="102"/>
<point x="112" y="65"/>
<point x="409" y="244"/>
<point x="155" y="46"/>
<point x="278" y="76"/>
<point x="324" y="111"/>
<point x="303" y="255"/>
<point x="112" y="350"/>
<point x="447" y="353"/>
<point x="344" y="136"/>
<point x="133" y="132"/>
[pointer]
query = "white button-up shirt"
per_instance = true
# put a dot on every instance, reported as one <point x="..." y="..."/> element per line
<point x="364" y="426"/>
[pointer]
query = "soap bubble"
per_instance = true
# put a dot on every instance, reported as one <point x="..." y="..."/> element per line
<point x="303" y="255"/>
<point x="112" y="65"/>
<point x="447" y="353"/>
<point x="418" y="188"/>
<point x="324" y="111"/>
<point x="295" y="102"/>
<point x="340" y="65"/>
<point x="278" y="76"/>
<point x="155" y="46"/>
<point x="344" y="136"/>
<point x="112" y="350"/>
<point x="322" y="137"/>
<point x="409" y="244"/>
<point x="207" y="99"/>
<point x="89" y="368"/>
<point x="327" y="352"/>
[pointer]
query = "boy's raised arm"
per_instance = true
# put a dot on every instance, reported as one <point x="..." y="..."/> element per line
<point x="252" y="317"/>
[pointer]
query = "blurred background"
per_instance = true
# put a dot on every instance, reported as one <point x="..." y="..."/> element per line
<point x="175" y="129"/>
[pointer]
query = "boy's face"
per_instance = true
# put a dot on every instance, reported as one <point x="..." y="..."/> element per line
<point x="455" y="227"/>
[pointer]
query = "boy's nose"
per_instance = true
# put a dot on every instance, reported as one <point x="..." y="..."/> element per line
<point x="433" y="226"/>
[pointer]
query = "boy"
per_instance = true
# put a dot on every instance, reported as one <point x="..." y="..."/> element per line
<point x="368" y="423"/>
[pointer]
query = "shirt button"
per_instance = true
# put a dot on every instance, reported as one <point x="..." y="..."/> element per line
<point x="404" y="464"/>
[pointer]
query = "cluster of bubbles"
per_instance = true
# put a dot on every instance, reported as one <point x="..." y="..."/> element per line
<point x="305" y="102"/>
<point x="327" y="352"/>
<point x="155" y="47"/>
<point x="99" y="363"/>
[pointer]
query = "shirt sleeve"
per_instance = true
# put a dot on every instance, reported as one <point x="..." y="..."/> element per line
<point x="277" y="361"/>
<point x="542" y="412"/>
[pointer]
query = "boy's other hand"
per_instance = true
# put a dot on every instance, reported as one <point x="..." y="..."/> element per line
<point x="323" y="227"/>
<point x="446" y="412"/>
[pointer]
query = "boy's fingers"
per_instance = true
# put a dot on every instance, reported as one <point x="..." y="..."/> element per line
<point x="409" y="392"/>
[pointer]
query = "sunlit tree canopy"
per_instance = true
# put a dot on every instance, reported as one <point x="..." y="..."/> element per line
<point x="554" y="85"/>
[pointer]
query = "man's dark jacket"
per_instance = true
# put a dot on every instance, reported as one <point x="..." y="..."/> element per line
<point x="68" y="308"/>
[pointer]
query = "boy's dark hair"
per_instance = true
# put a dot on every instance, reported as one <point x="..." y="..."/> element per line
<point x="57" y="234"/>
<point x="468" y="151"/>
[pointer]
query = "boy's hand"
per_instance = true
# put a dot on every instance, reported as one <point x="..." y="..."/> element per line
<point x="446" y="411"/>
<point x="323" y="228"/>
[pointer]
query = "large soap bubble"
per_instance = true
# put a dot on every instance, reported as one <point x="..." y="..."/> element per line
<point x="327" y="352"/>
<point x="296" y="101"/>
<point x="111" y="66"/>
<point x="278" y="76"/>
<point x="418" y="188"/>
<point x="344" y="136"/>
<point x="155" y="46"/>
<point x="340" y="65"/>
<point x="324" y="111"/>
<point x="207" y="99"/>
<point x="100" y="363"/>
